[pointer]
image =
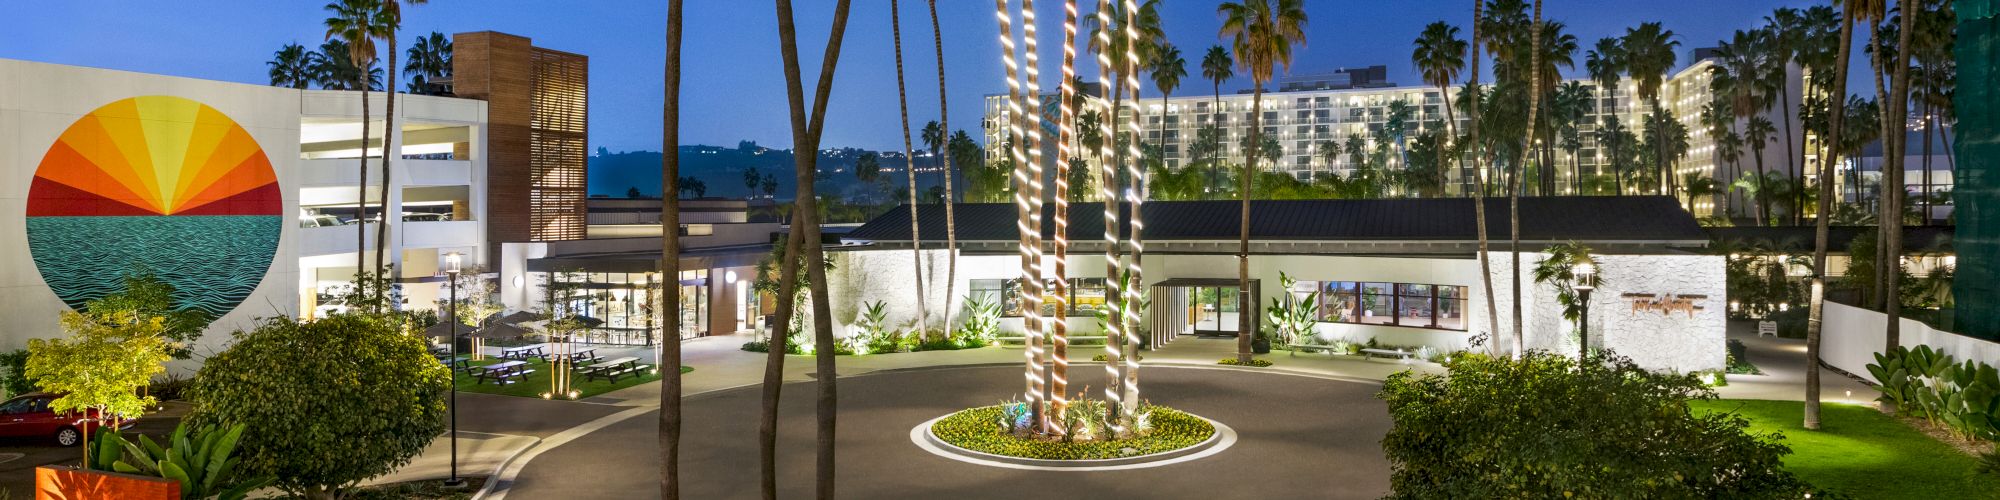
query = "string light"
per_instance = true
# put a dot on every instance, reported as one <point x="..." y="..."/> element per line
<point x="1107" y="194"/>
<point x="1066" y="132"/>
<point x="1134" y="194"/>
<point x="1033" y="191"/>
<point x="1030" y="303"/>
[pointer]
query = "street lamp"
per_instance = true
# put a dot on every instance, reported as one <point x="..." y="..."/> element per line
<point x="1586" y="280"/>
<point x="452" y="268"/>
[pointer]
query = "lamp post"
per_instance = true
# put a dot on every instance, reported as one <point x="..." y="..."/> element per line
<point x="451" y="271"/>
<point x="1586" y="280"/>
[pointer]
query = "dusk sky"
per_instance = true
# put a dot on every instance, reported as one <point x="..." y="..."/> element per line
<point x="733" y="77"/>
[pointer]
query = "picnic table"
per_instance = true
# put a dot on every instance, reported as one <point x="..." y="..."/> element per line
<point x="458" y="364"/>
<point x="502" y="373"/>
<point x="612" y="369"/>
<point x="583" y="356"/>
<point x="523" y="353"/>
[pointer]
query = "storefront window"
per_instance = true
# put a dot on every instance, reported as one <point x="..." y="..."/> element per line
<point x="1086" y="296"/>
<point x="1400" y="304"/>
<point x="1378" y="304"/>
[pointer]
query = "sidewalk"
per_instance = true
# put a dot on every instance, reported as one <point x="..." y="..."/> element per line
<point x="1783" y="362"/>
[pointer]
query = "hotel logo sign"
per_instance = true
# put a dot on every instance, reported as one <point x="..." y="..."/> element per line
<point x="1665" y="304"/>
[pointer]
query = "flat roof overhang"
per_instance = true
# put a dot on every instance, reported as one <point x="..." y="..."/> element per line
<point x="1452" y="249"/>
<point x="640" y="262"/>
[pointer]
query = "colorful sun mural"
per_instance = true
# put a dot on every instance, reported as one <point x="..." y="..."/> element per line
<point x="156" y="185"/>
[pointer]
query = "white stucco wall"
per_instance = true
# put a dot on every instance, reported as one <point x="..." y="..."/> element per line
<point x="1853" y="335"/>
<point x="39" y="101"/>
<point x="1678" y="341"/>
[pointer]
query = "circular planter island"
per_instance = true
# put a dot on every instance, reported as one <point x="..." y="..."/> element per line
<point x="977" y="436"/>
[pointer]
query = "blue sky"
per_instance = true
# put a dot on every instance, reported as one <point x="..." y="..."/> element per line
<point x="734" y="82"/>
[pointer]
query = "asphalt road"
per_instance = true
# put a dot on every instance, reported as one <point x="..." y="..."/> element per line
<point x="1299" y="438"/>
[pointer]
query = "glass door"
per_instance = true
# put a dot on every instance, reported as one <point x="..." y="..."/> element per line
<point x="1213" y="310"/>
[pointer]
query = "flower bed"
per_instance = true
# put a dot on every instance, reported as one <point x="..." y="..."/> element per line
<point x="981" y="429"/>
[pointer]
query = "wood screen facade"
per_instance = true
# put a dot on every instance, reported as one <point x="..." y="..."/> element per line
<point x="536" y="137"/>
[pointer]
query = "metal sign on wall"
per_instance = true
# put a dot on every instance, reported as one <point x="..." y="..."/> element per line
<point x="1665" y="304"/>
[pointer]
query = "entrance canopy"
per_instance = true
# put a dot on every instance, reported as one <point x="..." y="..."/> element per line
<point x="1219" y="282"/>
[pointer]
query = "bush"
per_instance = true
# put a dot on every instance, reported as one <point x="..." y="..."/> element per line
<point x="337" y="401"/>
<point x="1165" y="429"/>
<point x="1739" y="359"/>
<point x="1924" y="382"/>
<point x="203" y="460"/>
<point x="15" y="363"/>
<point x="1549" y="427"/>
<point x="1791" y="322"/>
<point x="1256" y="362"/>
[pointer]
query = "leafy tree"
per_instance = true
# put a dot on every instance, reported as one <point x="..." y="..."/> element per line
<point x="1547" y="426"/>
<point x="145" y="296"/>
<point x="693" y="188"/>
<point x="100" y="366"/>
<point x="346" y="398"/>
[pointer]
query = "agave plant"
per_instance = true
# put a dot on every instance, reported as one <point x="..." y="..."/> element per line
<point x="200" y="459"/>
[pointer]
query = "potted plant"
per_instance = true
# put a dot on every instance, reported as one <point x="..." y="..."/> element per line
<point x="1261" y="343"/>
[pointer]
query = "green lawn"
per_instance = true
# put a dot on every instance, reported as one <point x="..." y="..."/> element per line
<point x="1862" y="453"/>
<point x="538" y="382"/>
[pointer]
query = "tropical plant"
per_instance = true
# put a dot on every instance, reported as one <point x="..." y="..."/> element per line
<point x="287" y="374"/>
<point x="982" y="319"/>
<point x="146" y="296"/>
<point x="429" y="62"/>
<point x="917" y="280"/>
<point x="1558" y="271"/>
<point x="1217" y="68"/>
<point x="1293" y="317"/>
<point x="1835" y="145"/>
<point x="292" y="66"/>
<point x="357" y="24"/>
<point x="203" y="461"/>
<point x="1263" y="33"/>
<point x="1495" y="427"/>
<point x="98" y="369"/>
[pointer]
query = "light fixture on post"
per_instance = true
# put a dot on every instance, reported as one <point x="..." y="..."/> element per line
<point x="453" y="265"/>
<point x="1586" y="280"/>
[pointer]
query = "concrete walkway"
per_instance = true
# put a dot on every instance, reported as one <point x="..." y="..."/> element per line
<point x="1783" y="362"/>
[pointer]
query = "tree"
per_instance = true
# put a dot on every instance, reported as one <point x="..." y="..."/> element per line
<point x="1499" y="428"/>
<point x="357" y="23"/>
<point x="806" y="130"/>
<point x="1216" y="67"/>
<point x="1758" y="133"/>
<point x="1896" y="140"/>
<point x="146" y="297"/>
<point x="1514" y="191"/>
<point x="1440" y="57"/>
<point x="691" y="187"/>
<point x="1648" y="54"/>
<point x="1263" y="33"/>
<point x="292" y="66"/>
<point x="910" y="166"/>
<point x="750" y="180"/>
<point x="387" y="22"/>
<point x="1479" y="185"/>
<point x="334" y="70"/>
<point x="98" y="368"/>
<point x="304" y="381"/>
<point x="1816" y="313"/>
<point x="1786" y="35"/>
<point x="669" y="361"/>
<point x="429" y="62"/>
<point x="950" y="198"/>
<point x="1558" y="271"/>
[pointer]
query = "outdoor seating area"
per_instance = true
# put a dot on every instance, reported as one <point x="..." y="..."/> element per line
<point x="502" y="373"/>
<point x="612" y="369"/>
<point x="523" y="353"/>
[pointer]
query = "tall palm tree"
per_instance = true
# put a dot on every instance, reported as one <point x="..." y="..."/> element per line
<point x="430" y="61"/>
<point x="806" y="129"/>
<point x="670" y="257"/>
<point x="1933" y="88"/>
<point x="910" y="167"/>
<point x="358" y="23"/>
<point x="1787" y="28"/>
<point x="1816" y="312"/>
<point x="950" y="198"/>
<point x="1567" y="106"/>
<point x="1263" y="33"/>
<point x="388" y="22"/>
<point x="1479" y="187"/>
<point x="1894" y="189"/>
<point x="1603" y="62"/>
<point x="1217" y="68"/>
<point x="1514" y="192"/>
<point x="1440" y="57"/>
<point x="1167" y="69"/>
<point x="1649" y="53"/>
<point x="292" y="66"/>
<point x="1757" y="133"/>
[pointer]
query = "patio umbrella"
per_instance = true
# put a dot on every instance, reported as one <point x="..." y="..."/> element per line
<point x="587" y="322"/>
<point x="490" y="318"/>
<point x="520" y="317"/>
<point x="443" y="330"/>
<point x="501" y="331"/>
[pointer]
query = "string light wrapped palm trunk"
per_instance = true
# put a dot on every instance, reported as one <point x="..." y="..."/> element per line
<point x="1030" y="301"/>
<point x="1107" y="195"/>
<point x="909" y="166"/>
<point x="1065" y="133"/>
<point x="1134" y="195"/>
<point x="1032" y="61"/>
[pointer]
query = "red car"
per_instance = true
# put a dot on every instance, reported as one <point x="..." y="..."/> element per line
<point x="28" y="416"/>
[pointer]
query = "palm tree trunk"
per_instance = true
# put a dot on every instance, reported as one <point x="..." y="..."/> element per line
<point x="1795" y="170"/>
<point x="1514" y="191"/>
<point x="1924" y="193"/>
<point x="910" y="166"/>
<point x="950" y="199"/>
<point x="1107" y="165"/>
<point x="1451" y="135"/>
<point x="1894" y="185"/>
<point x="1479" y="195"/>
<point x="1255" y="150"/>
<point x="1816" y="313"/>
<point x="1660" y="151"/>
<point x="1024" y="197"/>
<point x="1135" y="172"/>
<point x="361" y="267"/>
<point x="1883" y="209"/>
<point x="670" y="258"/>
<point x="388" y="149"/>
<point x="1763" y="189"/>
<point x="1065" y="134"/>
<point x="806" y="136"/>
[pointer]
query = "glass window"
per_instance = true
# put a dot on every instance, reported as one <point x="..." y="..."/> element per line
<point x="987" y="291"/>
<point x="1413" y="305"/>
<point x="1338" y="303"/>
<point x="1089" y="296"/>
<point x="1010" y="294"/>
<point x="1378" y="304"/>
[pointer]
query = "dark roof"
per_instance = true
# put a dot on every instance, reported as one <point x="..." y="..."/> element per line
<point x="1582" y="218"/>
<point x="1799" y="239"/>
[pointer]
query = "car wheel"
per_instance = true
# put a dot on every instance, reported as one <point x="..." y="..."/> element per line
<point x="68" y="436"/>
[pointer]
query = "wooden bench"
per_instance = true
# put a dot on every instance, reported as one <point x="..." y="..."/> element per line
<point x="1311" y="347"/>
<point x="502" y="373"/>
<point x="1388" y="353"/>
<point x="612" y="369"/>
<point x="523" y="353"/>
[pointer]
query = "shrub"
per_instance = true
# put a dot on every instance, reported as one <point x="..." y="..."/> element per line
<point x="202" y="460"/>
<point x="346" y="398"/>
<point x="975" y="429"/>
<point x="1791" y="322"/>
<point x="1549" y="427"/>
<point x="15" y="363"/>
<point x="1964" y="397"/>
<point x="1256" y="362"/>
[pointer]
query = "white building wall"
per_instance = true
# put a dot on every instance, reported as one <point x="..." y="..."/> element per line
<point x="1853" y="335"/>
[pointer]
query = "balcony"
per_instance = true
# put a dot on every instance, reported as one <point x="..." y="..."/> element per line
<point x="333" y="240"/>
<point x="439" y="234"/>
<point x="342" y="172"/>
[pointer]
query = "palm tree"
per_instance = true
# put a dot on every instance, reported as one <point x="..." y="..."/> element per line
<point x="1816" y="312"/>
<point x="1567" y="107"/>
<point x="950" y="198"/>
<point x="1216" y="67"/>
<point x="1264" y="32"/>
<point x="1649" y="53"/>
<point x="670" y="251"/>
<point x="1758" y="133"/>
<point x="1611" y="136"/>
<point x="804" y="243"/>
<point x="430" y="61"/>
<point x="1786" y="30"/>
<point x="910" y="167"/>
<point x="292" y="66"/>
<point x="1440" y="56"/>
<point x="1603" y="62"/>
<point x="1479" y="189"/>
<point x="357" y="22"/>
<point x="1933" y="89"/>
<point x="1514" y="192"/>
<point x="1167" y="69"/>
<point x="388" y="21"/>
<point x="1894" y="190"/>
